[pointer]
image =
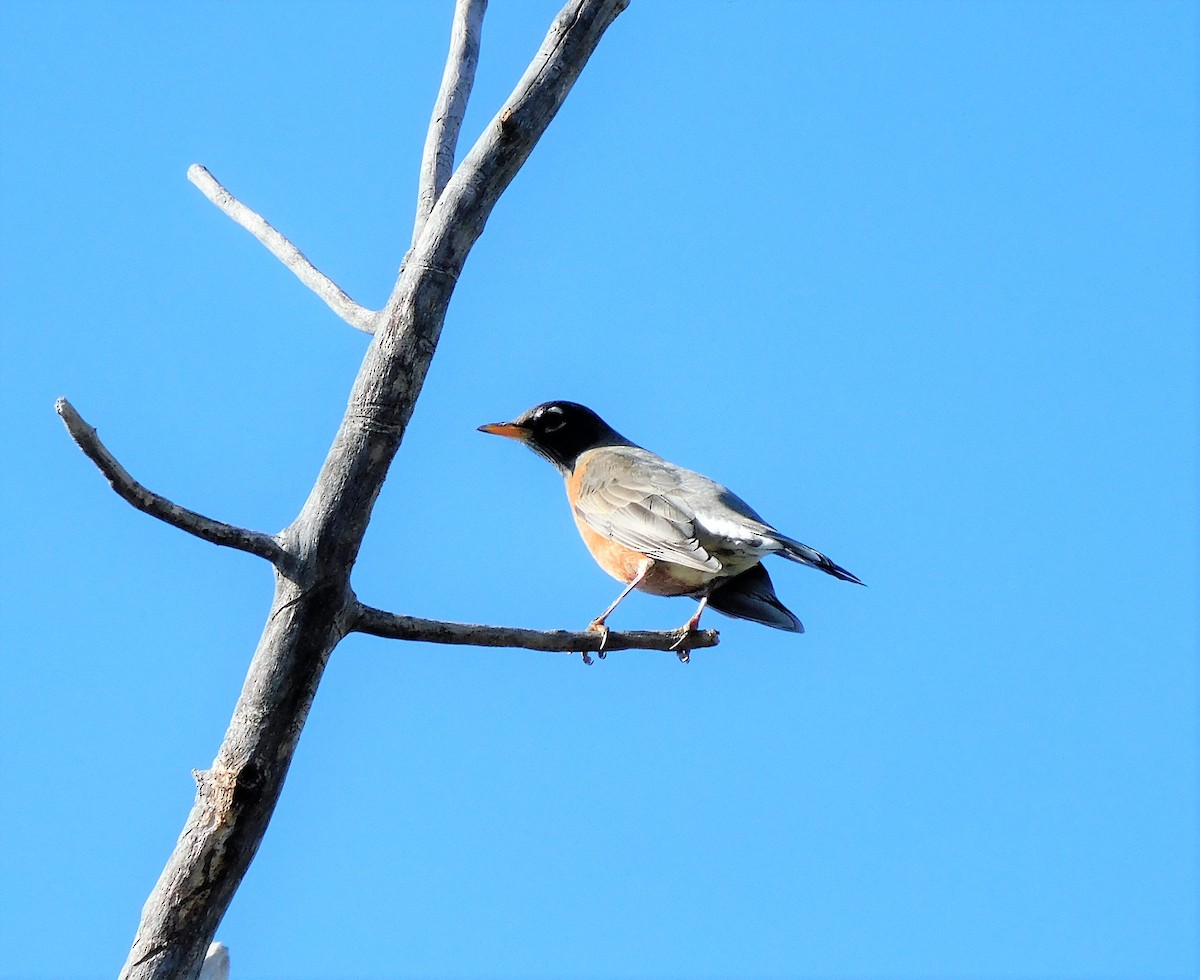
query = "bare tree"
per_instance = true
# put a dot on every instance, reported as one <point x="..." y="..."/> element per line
<point x="314" y="606"/>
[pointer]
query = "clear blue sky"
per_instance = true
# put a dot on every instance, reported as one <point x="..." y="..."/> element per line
<point x="918" y="280"/>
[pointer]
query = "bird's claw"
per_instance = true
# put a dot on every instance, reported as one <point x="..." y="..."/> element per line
<point x="680" y="646"/>
<point x="596" y="626"/>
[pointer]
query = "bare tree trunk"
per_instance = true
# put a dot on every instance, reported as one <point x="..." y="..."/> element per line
<point x="314" y="606"/>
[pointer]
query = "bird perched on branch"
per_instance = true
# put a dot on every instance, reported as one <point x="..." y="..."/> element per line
<point x="659" y="528"/>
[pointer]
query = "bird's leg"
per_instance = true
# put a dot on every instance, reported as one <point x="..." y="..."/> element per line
<point x="686" y="630"/>
<point x="597" y="624"/>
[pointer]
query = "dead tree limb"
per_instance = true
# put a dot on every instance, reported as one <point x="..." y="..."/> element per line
<point x="255" y="542"/>
<point x="376" y="622"/>
<point x="329" y="291"/>
<point x="437" y="161"/>
<point x="314" y="606"/>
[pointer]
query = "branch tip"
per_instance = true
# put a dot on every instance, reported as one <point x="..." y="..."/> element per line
<point x="278" y="245"/>
<point x="156" y="505"/>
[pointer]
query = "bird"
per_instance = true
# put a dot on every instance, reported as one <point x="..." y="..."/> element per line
<point x="658" y="527"/>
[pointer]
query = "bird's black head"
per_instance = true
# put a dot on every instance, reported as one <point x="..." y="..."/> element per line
<point x="559" y="431"/>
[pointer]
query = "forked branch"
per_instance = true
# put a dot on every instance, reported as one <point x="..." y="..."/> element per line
<point x="467" y="200"/>
<point x="357" y="316"/>
<point x="156" y="505"/>
<point x="376" y="622"/>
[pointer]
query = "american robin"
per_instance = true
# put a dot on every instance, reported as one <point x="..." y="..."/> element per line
<point x="660" y="528"/>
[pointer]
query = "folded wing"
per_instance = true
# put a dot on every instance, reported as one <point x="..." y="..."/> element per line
<point x="632" y="497"/>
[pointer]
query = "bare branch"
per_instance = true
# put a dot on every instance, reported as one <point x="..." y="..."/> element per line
<point x="357" y="316"/>
<point x="254" y="542"/>
<point x="376" y="622"/>
<point x="437" y="163"/>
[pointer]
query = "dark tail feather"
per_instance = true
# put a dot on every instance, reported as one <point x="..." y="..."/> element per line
<point x="805" y="555"/>
<point x="751" y="596"/>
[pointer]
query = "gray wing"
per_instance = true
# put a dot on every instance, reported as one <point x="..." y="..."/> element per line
<point x="633" y="497"/>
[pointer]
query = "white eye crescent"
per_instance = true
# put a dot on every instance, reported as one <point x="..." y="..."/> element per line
<point x="553" y="424"/>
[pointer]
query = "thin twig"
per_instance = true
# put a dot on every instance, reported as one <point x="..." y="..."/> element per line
<point x="391" y="626"/>
<point x="437" y="162"/>
<point x="216" y="532"/>
<point x="357" y="316"/>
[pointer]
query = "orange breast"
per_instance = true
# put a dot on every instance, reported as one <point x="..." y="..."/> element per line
<point x="620" y="562"/>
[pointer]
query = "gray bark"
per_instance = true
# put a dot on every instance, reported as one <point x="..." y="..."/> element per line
<point x="437" y="162"/>
<point x="314" y="606"/>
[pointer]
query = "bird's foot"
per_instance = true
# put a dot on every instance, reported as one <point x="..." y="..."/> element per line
<point x="680" y="646"/>
<point x="597" y="626"/>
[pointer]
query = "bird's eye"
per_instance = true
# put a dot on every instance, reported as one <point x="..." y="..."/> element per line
<point x="552" y="419"/>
